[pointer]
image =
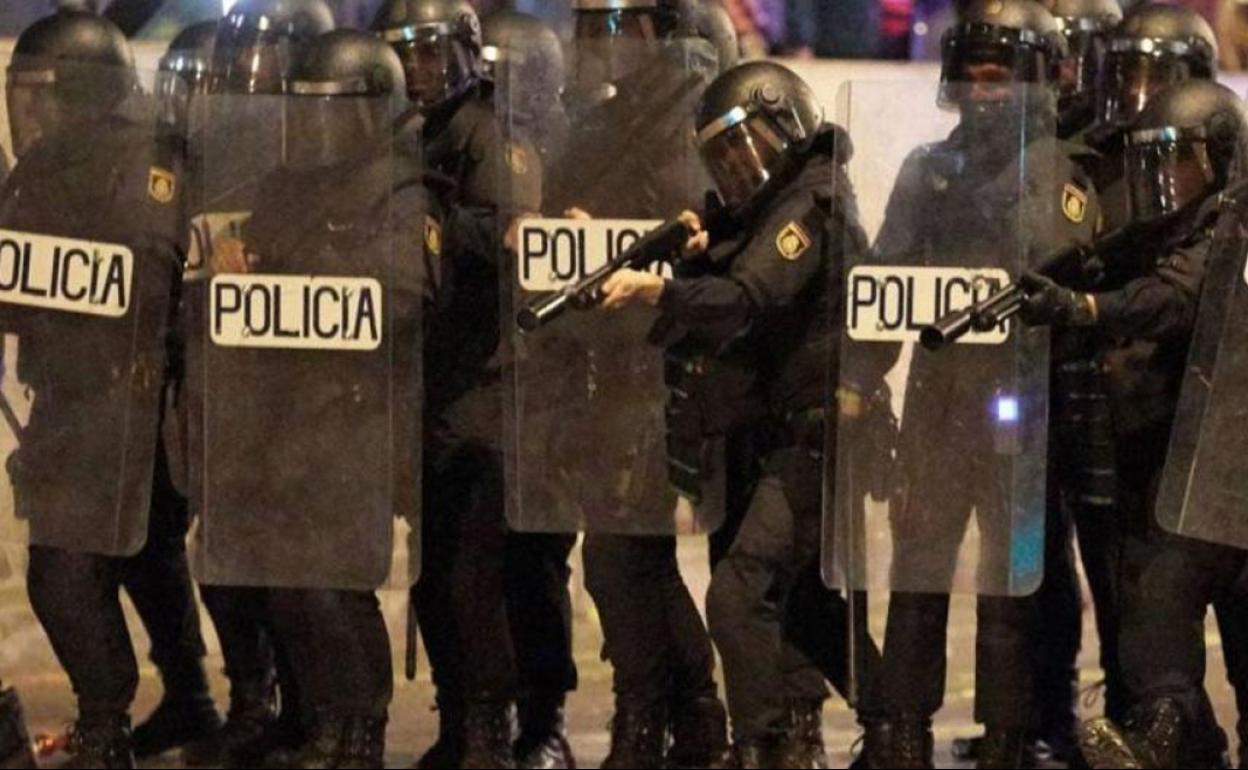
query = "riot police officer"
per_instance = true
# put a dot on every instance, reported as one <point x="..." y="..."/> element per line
<point x="72" y="93"/>
<point x="319" y="213"/>
<point x="1182" y="149"/>
<point x="211" y="75"/>
<point x="15" y="747"/>
<point x="477" y="576"/>
<point x="1087" y="26"/>
<point x="756" y="284"/>
<point x="999" y="70"/>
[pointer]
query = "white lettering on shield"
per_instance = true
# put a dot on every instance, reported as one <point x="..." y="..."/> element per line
<point x="296" y="311"/>
<point x="557" y="252"/>
<point x="893" y="304"/>
<point x="64" y="274"/>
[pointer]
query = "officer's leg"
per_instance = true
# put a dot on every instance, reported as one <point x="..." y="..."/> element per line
<point x="1099" y="530"/>
<point x="1232" y="613"/>
<point x="469" y="584"/>
<point x="539" y="608"/>
<point x="159" y="583"/>
<point x="339" y="645"/>
<point x="432" y="597"/>
<point x="76" y="598"/>
<point x="624" y="577"/>
<point x="1058" y="638"/>
<point x="928" y="531"/>
<point x="240" y="616"/>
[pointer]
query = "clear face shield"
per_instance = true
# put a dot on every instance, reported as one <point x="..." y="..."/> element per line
<point x="328" y="124"/>
<point x="742" y="152"/>
<point x="183" y="76"/>
<point x="1166" y="171"/>
<point x="47" y="98"/>
<point x="436" y="62"/>
<point x="984" y="67"/>
<point x="1136" y="70"/>
<point x="250" y="59"/>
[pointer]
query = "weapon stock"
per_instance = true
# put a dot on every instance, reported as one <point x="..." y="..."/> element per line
<point x="656" y="246"/>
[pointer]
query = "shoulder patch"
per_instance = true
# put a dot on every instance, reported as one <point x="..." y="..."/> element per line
<point x="1074" y="203"/>
<point x="793" y="241"/>
<point x="162" y="185"/>
<point x="433" y="236"/>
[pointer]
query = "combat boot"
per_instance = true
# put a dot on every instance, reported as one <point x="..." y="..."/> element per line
<point x="700" y="735"/>
<point x="15" y="746"/>
<point x="1150" y="739"/>
<point x="101" y="743"/>
<point x="186" y="714"/>
<point x="489" y="734"/>
<point x="447" y="752"/>
<point x="760" y="755"/>
<point x="243" y="740"/>
<point x="1003" y="749"/>
<point x="543" y="742"/>
<point x="638" y="736"/>
<point x="802" y="747"/>
<point x="904" y="743"/>
<point x="344" y="743"/>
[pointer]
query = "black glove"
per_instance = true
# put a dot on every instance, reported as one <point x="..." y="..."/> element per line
<point x="1048" y="304"/>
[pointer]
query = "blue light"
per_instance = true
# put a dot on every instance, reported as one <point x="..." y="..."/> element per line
<point x="1007" y="409"/>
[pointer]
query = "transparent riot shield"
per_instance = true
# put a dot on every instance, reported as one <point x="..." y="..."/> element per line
<point x="309" y="378"/>
<point x="90" y="234"/>
<point x="1201" y="494"/>
<point x="601" y="433"/>
<point x="936" y="465"/>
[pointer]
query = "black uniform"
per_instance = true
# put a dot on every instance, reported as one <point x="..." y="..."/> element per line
<point x="930" y="195"/>
<point x="75" y="594"/>
<point x="778" y="630"/>
<point x="493" y="604"/>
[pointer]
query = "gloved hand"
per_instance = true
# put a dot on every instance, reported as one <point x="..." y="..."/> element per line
<point x="1049" y="304"/>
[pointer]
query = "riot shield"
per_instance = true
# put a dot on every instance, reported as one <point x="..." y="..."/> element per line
<point x="90" y="242"/>
<point x="936" y="465"/>
<point x="1201" y="493"/>
<point x="597" y="436"/>
<point x="307" y="448"/>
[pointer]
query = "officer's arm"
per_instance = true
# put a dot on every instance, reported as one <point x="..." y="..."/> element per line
<point x="1161" y="305"/>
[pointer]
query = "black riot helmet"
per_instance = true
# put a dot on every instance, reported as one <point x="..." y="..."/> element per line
<point x="185" y="71"/>
<point x="1087" y="26"/>
<point x="634" y="19"/>
<point x="996" y="49"/>
<point x="256" y="41"/>
<point x="752" y="122"/>
<point x="523" y="56"/>
<point x="1154" y="47"/>
<point x="345" y="89"/>
<point x="69" y="71"/>
<point x="439" y="43"/>
<point x="1187" y="144"/>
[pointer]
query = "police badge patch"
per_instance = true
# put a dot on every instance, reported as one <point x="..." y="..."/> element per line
<point x="792" y="241"/>
<point x="1074" y="203"/>
<point x="161" y="184"/>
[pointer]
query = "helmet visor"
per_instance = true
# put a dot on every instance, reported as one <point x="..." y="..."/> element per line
<point x="741" y="153"/>
<point x="1166" y="171"/>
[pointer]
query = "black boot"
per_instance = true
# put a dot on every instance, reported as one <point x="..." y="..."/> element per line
<point x="16" y="751"/>
<point x="759" y="755"/>
<point x="447" y="752"/>
<point x="802" y="746"/>
<point x="638" y="736"/>
<point x="489" y="734"/>
<point x="1151" y="738"/>
<point x="242" y="741"/>
<point x="343" y="743"/>
<point x="1003" y="749"/>
<point x="700" y="735"/>
<point x="543" y="742"/>
<point x="177" y="721"/>
<point x="101" y="743"/>
<point x="904" y="743"/>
